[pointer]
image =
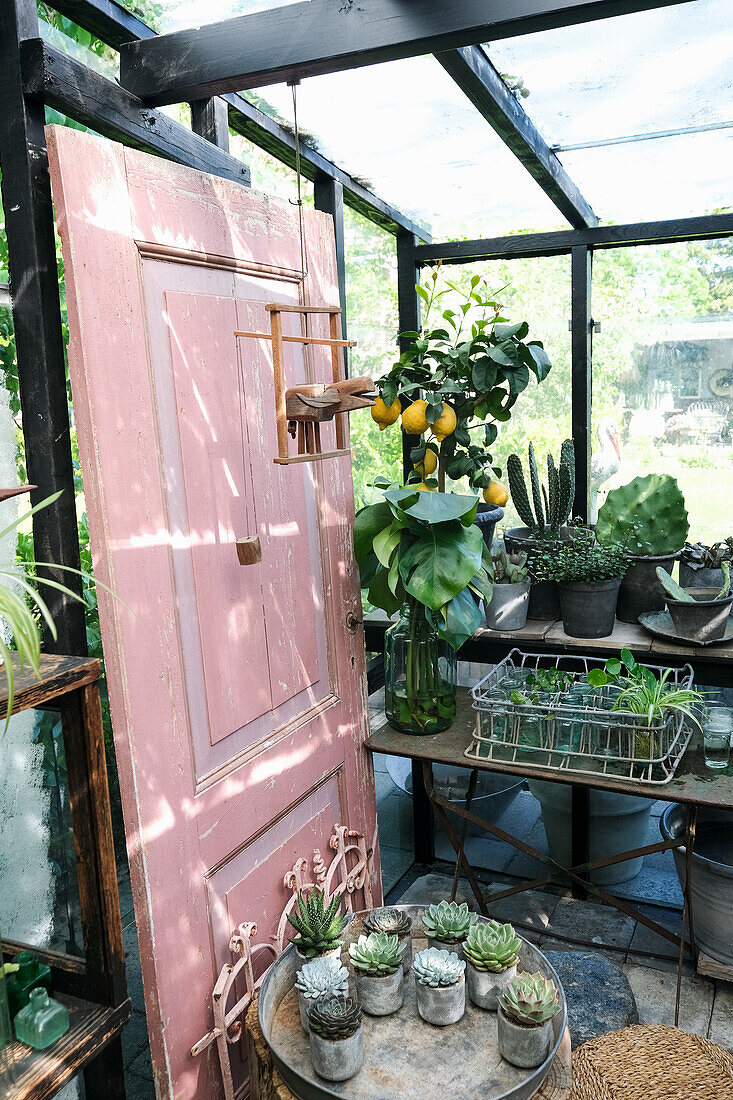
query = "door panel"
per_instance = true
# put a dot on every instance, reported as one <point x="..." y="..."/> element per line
<point x="237" y="692"/>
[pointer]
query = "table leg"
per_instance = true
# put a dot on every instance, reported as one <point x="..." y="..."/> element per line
<point x="459" y="855"/>
<point x="422" y="818"/>
<point x="580" y="833"/>
<point x="452" y="836"/>
<point x="686" y="907"/>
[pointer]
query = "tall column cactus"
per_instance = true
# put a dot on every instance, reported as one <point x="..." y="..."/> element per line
<point x="552" y="505"/>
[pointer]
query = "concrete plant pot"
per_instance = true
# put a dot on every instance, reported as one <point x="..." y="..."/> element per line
<point x="485" y="986"/>
<point x="405" y="940"/>
<point x="700" y="578"/>
<point x="544" y="601"/>
<point x="706" y="619"/>
<point x="380" y="994"/>
<point x="524" y="1045"/>
<point x="589" y="610"/>
<point x="442" y="1004"/>
<point x="455" y="948"/>
<point x="301" y="960"/>
<point x="640" y="590"/>
<point x="509" y="606"/>
<point x="337" y="1059"/>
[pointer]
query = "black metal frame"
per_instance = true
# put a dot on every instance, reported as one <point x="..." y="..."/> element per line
<point x="34" y="75"/>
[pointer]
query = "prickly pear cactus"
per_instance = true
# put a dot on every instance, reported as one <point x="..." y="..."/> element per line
<point x="647" y="516"/>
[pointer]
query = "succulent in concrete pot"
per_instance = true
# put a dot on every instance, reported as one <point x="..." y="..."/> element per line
<point x="317" y="979"/>
<point x="491" y="951"/>
<point x="440" y="986"/>
<point x="336" y="1037"/>
<point x="394" y="922"/>
<point x="527" y="1006"/>
<point x="377" y="962"/>
<point x="447" y="924"/>
<point x="319" y="927"/>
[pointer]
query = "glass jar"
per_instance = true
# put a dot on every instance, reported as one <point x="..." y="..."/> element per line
<point x="419" y="674"/>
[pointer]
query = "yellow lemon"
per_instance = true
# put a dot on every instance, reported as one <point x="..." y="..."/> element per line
<point x="428" y="465"/>
<point x="422" y="487"/>
<point x="496" y="494"/>
<point x="413" y="418"/>
<point x="384" y="415"/>
<point x="445" y="425"/>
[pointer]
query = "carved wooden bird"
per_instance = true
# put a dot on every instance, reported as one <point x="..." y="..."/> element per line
<point x="318" y="403"/>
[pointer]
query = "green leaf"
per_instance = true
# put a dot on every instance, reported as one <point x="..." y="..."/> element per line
<point x="596" y="677"/>
<point x="381" y="595"/>
<point x="628" y="659"/>
<point x="613" y="666"/>
<point x="369" y="522"/>
<point x="441" y="563"/>
<point x="386" y="542"/>
<point x="518" y="379"/>
<point x="542" y="361"/>
<point x="482" y="585"/>
<point x="504" y="332"/>
<point x="443" y="507"/>
<point x="500" y="357"/>
<point x="462" y="617"/>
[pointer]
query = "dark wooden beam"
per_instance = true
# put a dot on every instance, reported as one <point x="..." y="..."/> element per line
<point x="581" y="325"/>
<point x="327" y="36"/>
<point x="328" y="195"/>
<point x="29" y="224"/>
<point x="210" y="120"/>
<point x="706" y="226"/>
<point x="58" y="80"/>
<point x="482" y="85"/>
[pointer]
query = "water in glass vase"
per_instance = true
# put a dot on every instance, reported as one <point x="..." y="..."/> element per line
<point x="419" y="674"/>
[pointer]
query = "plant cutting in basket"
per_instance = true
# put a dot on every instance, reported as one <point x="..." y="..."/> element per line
<point x="527" y="1006"/>
<point x="459" y="376"/>
<point x="420" y="552"/>
<point x="377" y="962"/>
<point x="319" y="926"/>
<point x="448" y="922"/>
<point x="440" y="986"/>
<point x="492" y="953"/>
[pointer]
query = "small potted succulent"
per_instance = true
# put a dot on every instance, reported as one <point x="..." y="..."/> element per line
<point x="649" y="519"/>
<point x="492" y="953"/>
<point x="336" y="1037"/>
<point x="698" y="613"/>
<point x="320" y="978"/>
<point x="377" y="962"/>
<point x="526" y="1008"/>
<point x="701" y="565"/>
<point x="589" y="576"/>
<point x="319" y="927"/>
<point x="440" y="985"/>
<point x="395" y="923"/>
<point x="447" y="924"/>
<point x="507" y="609"/>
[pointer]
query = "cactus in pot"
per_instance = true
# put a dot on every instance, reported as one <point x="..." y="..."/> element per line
<point x="649" y="519"/>
<point x="552" y="505"/>
<point x="377" y="962"/>
<point x="317" y="979"/>
<point x="395" y="923"/>
<point x="319" y="927"/>
<point x="527" y="1006"/>
<point x="440" y="986"/>
<point x="336" y="1037"/>
<point x="447" y="924"/>
<point x="491" y="951"/>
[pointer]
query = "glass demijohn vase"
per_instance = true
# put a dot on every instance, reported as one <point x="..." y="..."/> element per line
<point x="419" y="674"/>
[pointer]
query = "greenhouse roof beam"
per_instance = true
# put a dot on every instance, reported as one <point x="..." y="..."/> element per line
<point x="480" y="82"/>
<point x="325" y="36"/>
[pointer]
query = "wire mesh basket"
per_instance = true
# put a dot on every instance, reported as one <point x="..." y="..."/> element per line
<point x="575" y="729"/>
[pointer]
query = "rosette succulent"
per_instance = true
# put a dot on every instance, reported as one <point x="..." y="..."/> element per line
<point x="530" y="999"/>
<point x="377" y="953"/>
<point x="319" y="926"/>
<point x="492" y="946"/>
<point x="322" y="977"/>
<point x="335" y="1017"/>
<point x="448" y="921"/>
<point x="437" y="968"/>
<point x="392" y="921"/>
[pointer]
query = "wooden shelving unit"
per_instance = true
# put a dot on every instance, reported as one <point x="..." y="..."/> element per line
<point x="93" y="988"/>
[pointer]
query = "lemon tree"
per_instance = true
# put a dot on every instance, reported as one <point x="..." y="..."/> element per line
<point x="458" y="380"/>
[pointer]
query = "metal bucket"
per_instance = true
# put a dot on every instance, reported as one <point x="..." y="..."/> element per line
<point x="711" y="876"/>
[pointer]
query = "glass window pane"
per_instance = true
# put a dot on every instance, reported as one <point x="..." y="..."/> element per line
<point x="173" y="15"/>
<point x="663" y="373"/>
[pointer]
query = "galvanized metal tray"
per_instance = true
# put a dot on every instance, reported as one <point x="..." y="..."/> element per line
<point x="403" y="1056"/>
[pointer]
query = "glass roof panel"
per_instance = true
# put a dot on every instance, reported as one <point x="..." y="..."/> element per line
<point x="408" y="130"/>
<point x="644" y="73"/>
<point x="174" y="15"/>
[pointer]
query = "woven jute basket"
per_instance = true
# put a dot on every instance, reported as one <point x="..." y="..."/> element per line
<point x="646" y="1062"/>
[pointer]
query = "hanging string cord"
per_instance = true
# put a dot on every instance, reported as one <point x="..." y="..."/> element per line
<point x="299" y="201"/>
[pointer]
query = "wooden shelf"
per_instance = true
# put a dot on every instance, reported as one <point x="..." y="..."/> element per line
<point x="59" y="676"/>
<point x="40" y="1074"/>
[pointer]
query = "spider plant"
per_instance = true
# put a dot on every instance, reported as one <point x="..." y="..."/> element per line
<point x="650" y="696"/>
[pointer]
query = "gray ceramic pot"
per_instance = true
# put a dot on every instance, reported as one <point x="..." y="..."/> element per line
<point x="589" y="610"/>
<point x="640" y="590"/>
<point x="455" y="948"/>
<point x="301" y="960"/>
<point x="700" y="578"/>
<point x="380" y="995"/>
<point x="706" y="619"/>
<point x="508" y="607"/>
<point x="337" y="1059"/>
<point x="441" y="1004"/>
<point x="524" y="1045"/>
<point x="485" y="986"/>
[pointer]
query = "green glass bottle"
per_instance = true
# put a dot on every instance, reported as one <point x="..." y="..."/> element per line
<point x="30" y="974"/>
<point x="42" y="1021"/>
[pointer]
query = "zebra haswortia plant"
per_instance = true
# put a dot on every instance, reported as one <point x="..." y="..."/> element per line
<point x="552" y="505"/>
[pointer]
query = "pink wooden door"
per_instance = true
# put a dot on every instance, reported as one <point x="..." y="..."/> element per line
<point x="238" y="692"/>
